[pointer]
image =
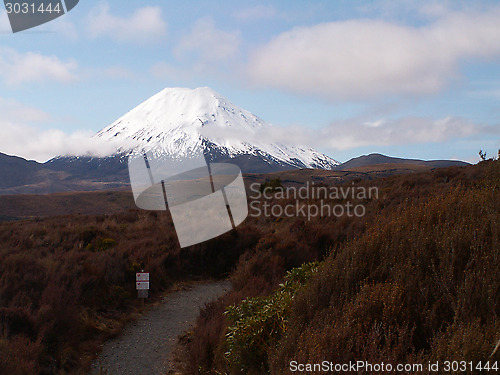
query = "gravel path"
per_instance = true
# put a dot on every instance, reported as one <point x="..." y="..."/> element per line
<point x="144" y="346"/>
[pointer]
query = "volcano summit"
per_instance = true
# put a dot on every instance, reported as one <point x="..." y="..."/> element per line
<point x="178" y="122"/>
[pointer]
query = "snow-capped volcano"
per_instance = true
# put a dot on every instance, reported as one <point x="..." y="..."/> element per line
<point x="179" y="122"/>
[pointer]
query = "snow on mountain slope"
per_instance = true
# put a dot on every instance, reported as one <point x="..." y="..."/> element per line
<point x="177" y="122"/>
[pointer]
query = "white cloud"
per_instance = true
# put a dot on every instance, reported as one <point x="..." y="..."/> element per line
<point x="12" y="110"/>
<point x="17" y="68"/>
<point x="144" y="25"/>
<point x="365" y="58"/>
<point x="62" y="26"/>
<point x="374" y="124"/>
<point x="400" y="131"/>
<point x="358" y="132"/>
<point x="389" y="9"/>
<point x="256" y="12"/>
<point x="41" y="145"/>
<point x="207" y="44"/>
<point x="490" y="90"/>
<point x="21" y="135"/>
<point x="434" y="9"/>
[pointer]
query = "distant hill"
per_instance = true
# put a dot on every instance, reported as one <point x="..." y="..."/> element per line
<point x="108" y="169"/>
<point x="86" y="174"/>
<point x="21" y="176"/>
<point x="15" y="171"/>
<point x="379" y="159"/>
<point x="112" y="200"/>
<point x="18" y="175"/>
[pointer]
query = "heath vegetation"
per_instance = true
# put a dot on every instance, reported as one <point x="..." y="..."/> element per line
<point x="415" y="279"/>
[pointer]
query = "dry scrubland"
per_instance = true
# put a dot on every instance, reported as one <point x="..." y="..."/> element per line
<point x="415" y="279"/>
<point x="67" y="283"/>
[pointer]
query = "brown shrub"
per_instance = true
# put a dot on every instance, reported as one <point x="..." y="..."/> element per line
<point x="19" y="356"/>
<point x="395" y="281"/>
<point x="68" y="283"/>
<point x="421" y="283"/>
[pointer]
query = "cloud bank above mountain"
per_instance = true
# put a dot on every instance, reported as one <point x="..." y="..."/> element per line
<point x="363" y="58"/>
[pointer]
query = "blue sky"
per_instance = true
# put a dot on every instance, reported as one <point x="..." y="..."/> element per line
<point x="416" y="79"/>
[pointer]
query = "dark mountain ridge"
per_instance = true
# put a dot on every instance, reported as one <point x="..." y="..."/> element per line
<point x="86" y="174"/>
<point x="378" y="159"/>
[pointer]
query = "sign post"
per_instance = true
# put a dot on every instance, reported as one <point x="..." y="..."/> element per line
<point x="142" y="284"/>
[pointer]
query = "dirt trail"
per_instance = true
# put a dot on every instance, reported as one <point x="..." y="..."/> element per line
<point x="144" y="346"/>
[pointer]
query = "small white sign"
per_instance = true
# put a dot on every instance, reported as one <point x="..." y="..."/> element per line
<point x="142" y="285"/>
<point x="142" y="280"/>
<point x="142" y="276"/>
